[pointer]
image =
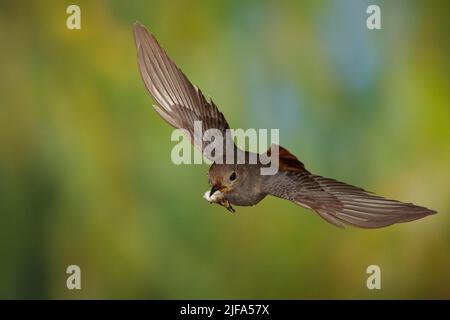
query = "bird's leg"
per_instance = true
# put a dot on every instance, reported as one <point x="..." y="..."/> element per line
<point x="228" y="205"/>
<point x="218" y="198"/>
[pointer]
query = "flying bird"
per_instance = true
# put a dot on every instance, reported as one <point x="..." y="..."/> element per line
<point x="180" y="103"/>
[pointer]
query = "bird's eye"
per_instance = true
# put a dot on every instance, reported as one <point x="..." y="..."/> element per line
<point x="233" y="176"/>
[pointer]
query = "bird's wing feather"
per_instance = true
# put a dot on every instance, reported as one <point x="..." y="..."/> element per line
<point x="179" y="102"/>
<point x="340" y="203"/>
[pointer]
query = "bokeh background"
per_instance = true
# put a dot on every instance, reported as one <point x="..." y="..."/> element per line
<point x="85" y="170"/>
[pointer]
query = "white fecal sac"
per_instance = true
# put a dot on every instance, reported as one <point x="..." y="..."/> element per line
<point x="216" y="197"/>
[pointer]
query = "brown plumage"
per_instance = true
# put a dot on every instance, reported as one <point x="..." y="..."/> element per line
<point x="180" y="104"/>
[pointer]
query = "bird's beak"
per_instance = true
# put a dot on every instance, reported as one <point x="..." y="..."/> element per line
<point x="213" y="190"/>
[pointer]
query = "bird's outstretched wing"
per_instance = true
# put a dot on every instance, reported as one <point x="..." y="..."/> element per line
<point x="338" y="202"/>
<point x="179" y="102"/>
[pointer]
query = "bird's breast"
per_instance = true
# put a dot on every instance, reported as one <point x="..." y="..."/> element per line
<point x="243" y="198"/>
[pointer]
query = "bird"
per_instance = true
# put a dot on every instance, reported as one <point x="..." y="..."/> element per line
<point x="180" y="103"/>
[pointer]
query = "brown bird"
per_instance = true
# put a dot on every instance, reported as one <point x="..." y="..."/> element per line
<point x="180" y="103"/>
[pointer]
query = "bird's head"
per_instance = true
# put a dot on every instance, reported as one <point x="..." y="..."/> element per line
<point x="225" y="177"/>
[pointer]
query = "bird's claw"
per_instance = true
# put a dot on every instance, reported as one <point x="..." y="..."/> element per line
<point x="230" y="208"/>
<point x="219" y="199"/>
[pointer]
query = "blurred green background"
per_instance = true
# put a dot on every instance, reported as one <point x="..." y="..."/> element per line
<point x="85" y="170"/>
